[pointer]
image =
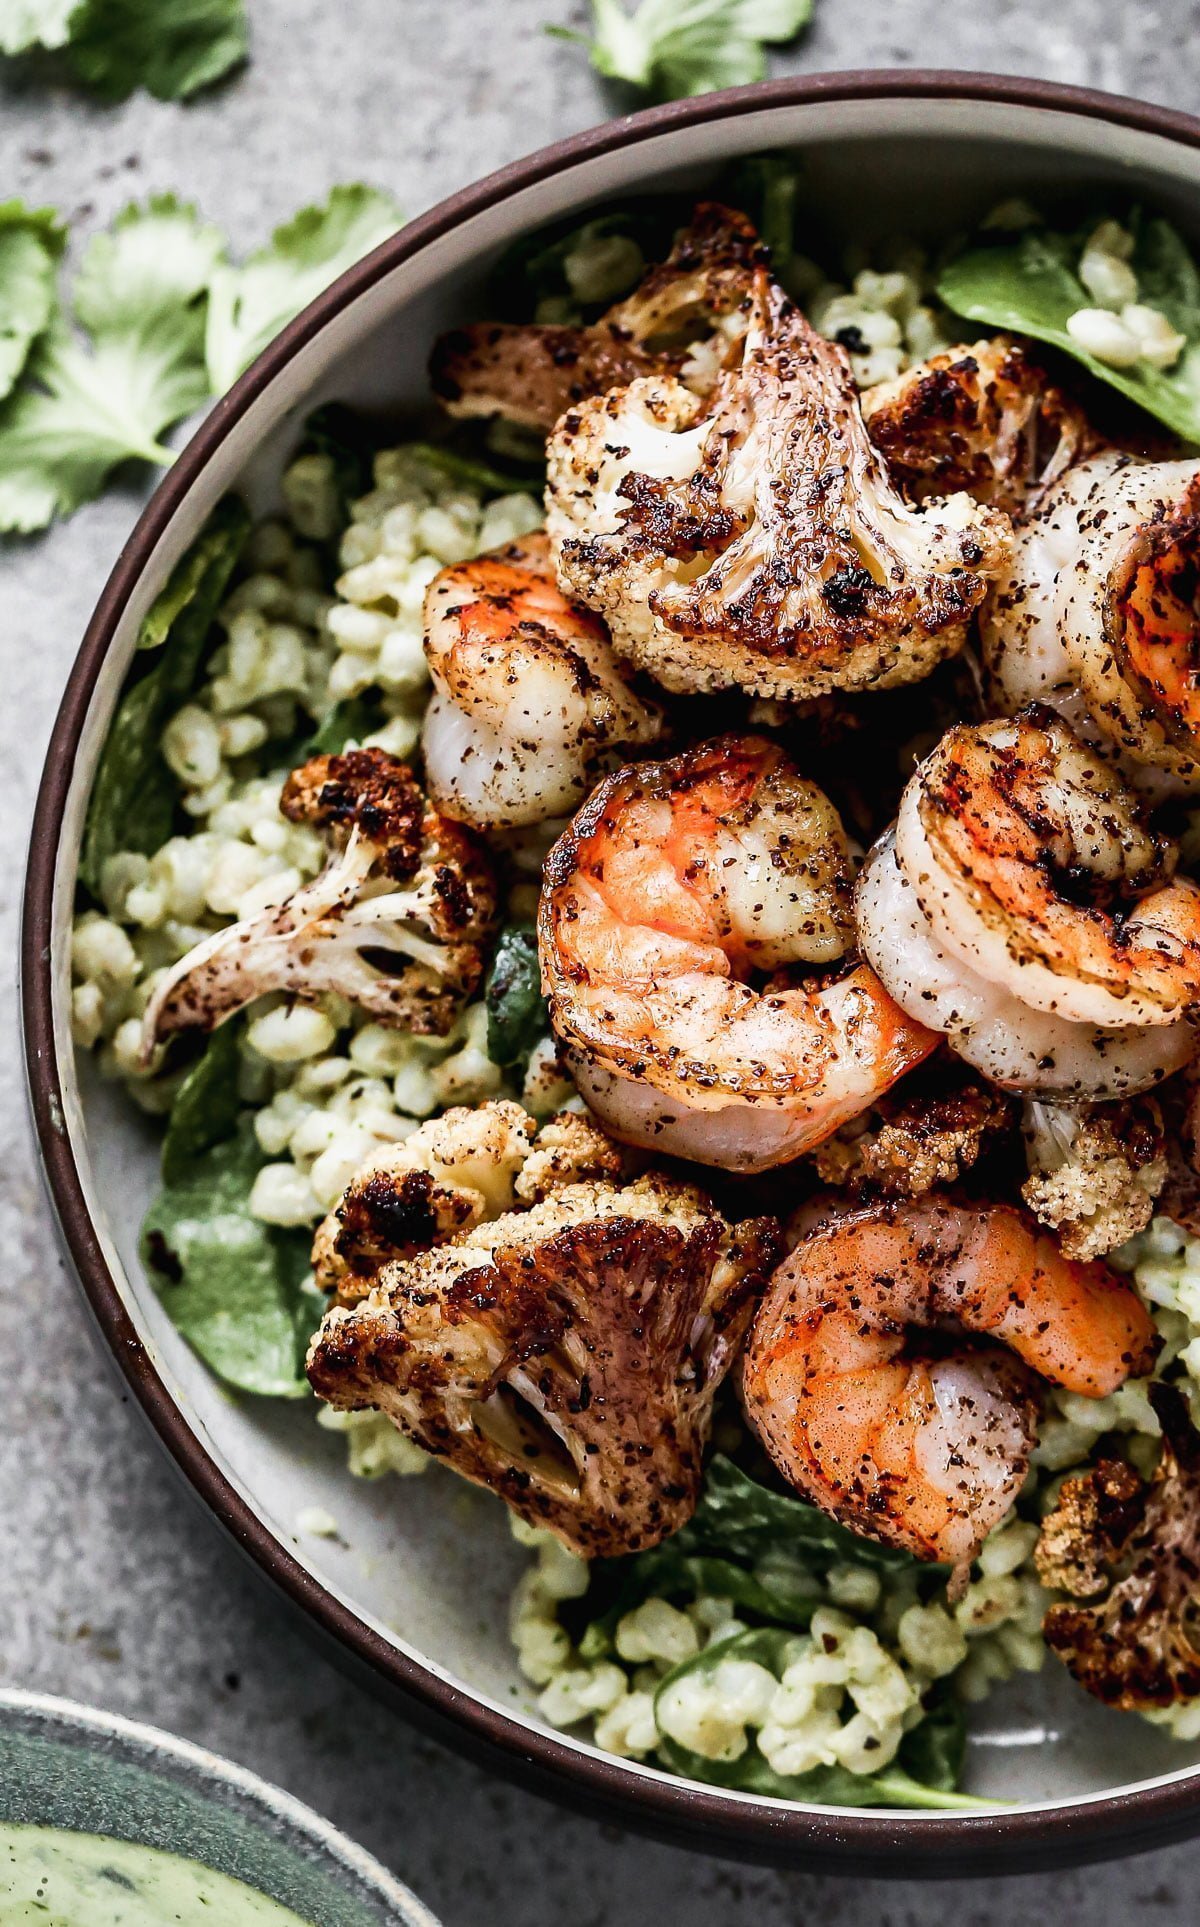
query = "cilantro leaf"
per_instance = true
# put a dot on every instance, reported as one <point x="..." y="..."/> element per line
<point x="249" y="305"/>
<point x="31" y="241"/>
<point x="173" y="48"/>
<point x="34" y="23"/>
<point x="673" y="48"/>
<point x="86" y="409"/>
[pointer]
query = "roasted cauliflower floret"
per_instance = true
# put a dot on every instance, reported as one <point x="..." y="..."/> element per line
<point x="458" y="1170"/>
<point x="1094" y="1174"/>
<point x="1133" y="1551"/>
<point x="984" y="419"/>
<point x="682" y="319"/>
<point x="926" y="1134"/>
<point x="397" y="921"/>
<point x="755" y="539"/>
<point x="566" y="1356"/>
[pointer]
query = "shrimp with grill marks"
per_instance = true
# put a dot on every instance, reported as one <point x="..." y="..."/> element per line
<point x="1024" y="907"/>
<point x="858" y="1381"/>
<point x="679" y="911"/>
<point x="529" y="696"/>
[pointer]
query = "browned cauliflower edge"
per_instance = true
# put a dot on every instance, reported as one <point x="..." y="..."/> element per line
<point x="754" y="539"/>
<point x="928" y="1133"/>
<point x="1131" y="1550"/>
<point x="529" y="372"/>
<point x="982" y="418"/>
<point x="397" y="921"/>
<point x="566" y="1356"/>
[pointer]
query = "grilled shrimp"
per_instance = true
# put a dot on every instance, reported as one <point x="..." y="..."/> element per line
<point x="1097" y="614"/>
<point x="1022" y="907"/>
<point x="529" y="695"/>
<point x="920" y="1444"/>
<point x="675" y="885"/>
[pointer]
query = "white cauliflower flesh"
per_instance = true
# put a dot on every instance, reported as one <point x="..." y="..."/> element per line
<point x="1094" y="1175"/>
<point x="566" y="1356"/>
<point x="396" y="922"/>
<point x="755" y="539"/>
<point x="457" y="1171"/>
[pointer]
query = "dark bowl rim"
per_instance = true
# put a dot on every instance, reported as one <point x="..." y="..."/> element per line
<point x="871" y="1840"/>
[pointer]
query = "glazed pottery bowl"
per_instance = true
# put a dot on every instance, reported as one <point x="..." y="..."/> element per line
<point x="415" y="1586"/>
<point x="85" y="1772"/>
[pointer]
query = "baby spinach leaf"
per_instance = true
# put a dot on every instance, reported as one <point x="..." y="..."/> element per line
<point x="1030" y="285"/>
<point x="346" y="722"/>
<point x="744" y="1520"/>
<point x="206" y="1107"/>
<point x="751" y="1772"/>
<point x="933" y="1752"/>
<point x="348" y="441"/>
<point x="231" y="1285"/>
<point x="467" y="470"/>
<point x="543" y="267"/>
<point x="766" y="1551"/>
<point x="767" y="188"/>
<point x="134" y="795"/>
<point x="516" y="1009"/>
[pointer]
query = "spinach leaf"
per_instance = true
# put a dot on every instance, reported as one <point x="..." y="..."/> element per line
<point x="746" y="1521"/>
<point x="933" y="1752"/>
<point x="766" y="187"/>
<point x="206" y="1107"/>
<point x="543" y="267"/>
<point x="766" y="1551"/>
<point x="451" y="465"/>
<point x="346" y="722"/>
<point x="348" y="441"/>
<point x="1030" y="284"/>
<point x="896" y="1786"/>
<point x="516" y="1009"/>
<point x="134" y="795"/>
<point x="231" y="1284"/>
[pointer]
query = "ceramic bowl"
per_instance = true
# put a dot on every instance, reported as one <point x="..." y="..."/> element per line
<point x="71" y="1767"/>
<point x="415" y="1587"/>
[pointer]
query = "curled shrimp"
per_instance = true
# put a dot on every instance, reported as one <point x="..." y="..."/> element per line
<point x="1024" y="908"/>
<point x="676" y="886"/>
<point x="1096" y="613"/>
<point x="915" y="1442"/>
<point x="529" y="695"/>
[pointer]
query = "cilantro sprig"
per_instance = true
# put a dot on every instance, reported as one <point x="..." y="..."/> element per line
<point x="158" y="322"/>
<point x="173" y="48"/>
<point x="673" y="48"/>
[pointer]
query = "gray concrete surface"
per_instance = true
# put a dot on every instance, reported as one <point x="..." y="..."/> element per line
<point x="113" y="1587"/>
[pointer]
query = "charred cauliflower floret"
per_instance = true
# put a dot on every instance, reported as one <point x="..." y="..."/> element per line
<point x="396" y="922"/>
<point x="754" y="539"/>
<point x="984" y="419"/>
<point x="1094" y="1174"/>
<point x="926" y="1134"/>
<point x="682" y="319"/>
<point x="458" y="1170"/>
<point x="1132" y="1551"/>
<point x="566" y="1356"/>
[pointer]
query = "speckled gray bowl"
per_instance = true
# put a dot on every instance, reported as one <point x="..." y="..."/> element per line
<point x="89" y="1772"/>
<point x="415" y="1586"/>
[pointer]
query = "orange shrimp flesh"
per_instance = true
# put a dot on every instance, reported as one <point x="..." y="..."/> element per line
<point x="675" y="886"/>
<point x="1034" y="862"/>
<point x="924" y="1443"/>
<point x="1154" y="621"/>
